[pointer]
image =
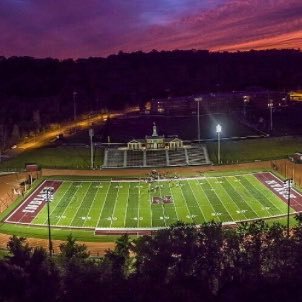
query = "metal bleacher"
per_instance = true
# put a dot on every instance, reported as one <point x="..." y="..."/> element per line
<point x="114" y="158"/>
<point x="177" y="157"/>
<point x="156" y="158"/>
<point x="123" y="158"/>
<point x="135" y="158"/>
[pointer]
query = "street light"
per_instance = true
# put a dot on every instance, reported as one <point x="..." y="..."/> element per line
<point x="198" y="100"/>
<point x="48" y="195"/>
<point x="218" y="130"/>
<point x="270" y="106"/>
<point x="91" y="134"/>
<point x="289" y="182"/>
<point x="74" y="105"/>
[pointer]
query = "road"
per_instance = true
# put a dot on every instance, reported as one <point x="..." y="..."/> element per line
<point x="48" y="136"/>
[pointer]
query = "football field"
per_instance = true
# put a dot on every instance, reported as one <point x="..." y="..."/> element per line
<point x="144" y="204"/>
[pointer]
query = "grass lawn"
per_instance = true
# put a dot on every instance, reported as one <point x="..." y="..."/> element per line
<point x="255" y="149"/>
<point x="55" y="157"/>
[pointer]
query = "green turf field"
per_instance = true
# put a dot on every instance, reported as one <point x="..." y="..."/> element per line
<point x="129" y="204"/>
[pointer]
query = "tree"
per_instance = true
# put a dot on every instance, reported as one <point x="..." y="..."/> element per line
<point x="72" y="250"/>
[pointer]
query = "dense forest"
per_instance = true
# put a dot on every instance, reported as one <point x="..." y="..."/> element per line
<point x="254" y="262"/>
<point x="28" y="84"/>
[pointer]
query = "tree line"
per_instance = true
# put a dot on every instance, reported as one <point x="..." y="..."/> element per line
<point x="254" y="261"/>
<point x="28" y="84"/>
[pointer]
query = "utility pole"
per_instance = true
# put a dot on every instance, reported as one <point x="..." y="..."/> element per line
<point x="74" y="105"/>
<point x="91" y="134"/>
<point x="198" y="100"/>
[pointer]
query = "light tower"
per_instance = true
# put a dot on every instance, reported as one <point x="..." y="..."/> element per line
<point x="47" y="192"/>
<point x="218" y="131"/>
<point x="270" y="106"/>
<point x="91" y="134"/>
<point x="246" y="100"/>
<point x="289" y="183"/>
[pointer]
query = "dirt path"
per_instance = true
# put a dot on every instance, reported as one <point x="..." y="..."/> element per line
<point x="95" y="248"/>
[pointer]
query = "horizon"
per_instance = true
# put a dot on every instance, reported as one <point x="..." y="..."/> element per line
<point x="81" y="29"/>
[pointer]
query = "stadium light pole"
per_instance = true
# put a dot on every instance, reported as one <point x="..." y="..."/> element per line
<point x="47" y="198"/>
<point x="74" y="105"/>
<point x="246" y="100"/>
<point x="270" y="106"/>
<point x="91" y="134"/>
<point x="289" y="182"/>
<point x="198" y="100"/>
<point x="218" y="131"/>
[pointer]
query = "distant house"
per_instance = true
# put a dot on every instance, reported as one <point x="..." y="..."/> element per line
<point x="155" y="142"/>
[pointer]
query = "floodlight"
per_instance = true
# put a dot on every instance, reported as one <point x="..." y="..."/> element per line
<point x="218" y="128"/>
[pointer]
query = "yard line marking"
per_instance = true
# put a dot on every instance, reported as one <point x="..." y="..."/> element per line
<point x="221" y="202"/>
<point x="127" y="206"/>
<point x="59" y="202"/>
<point x="250" y="198"/>
<point x="93" y="201"/>
<point x="204" y="218"/>
<point x="173" y="201"/>
<point x="185" y="202"/>
<point x="231" y="198"/>
<point x="162" y="206"/>
<point x="272" y="205"/>
<point x="75" y="197"/>
<point x="100" y="215"/>
<point x="115" y="202"/>
<point x="206" y="196"/>
<point x="80" y="205"/>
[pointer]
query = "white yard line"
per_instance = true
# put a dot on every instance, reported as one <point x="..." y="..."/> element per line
<point x="66" y="208"/>
<point x="115" y="202"/>
<point x="54" y="208"/>
<point x="91" y="205"/>
<point x="206" y="196"/>
<point x="204" y="218"/>
<point x="221" y="201"/>
<point x="103" y="205"/>
<point x="229" y="196"/>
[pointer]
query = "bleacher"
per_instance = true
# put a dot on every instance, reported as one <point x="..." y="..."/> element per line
<point x="177" y="157"/>
<point x="196" y="156"/>
<point x="122" y="158"/>
<point x="114" y="158"/>
<point x="135" y="158"/>
<point x="156" y="158"/>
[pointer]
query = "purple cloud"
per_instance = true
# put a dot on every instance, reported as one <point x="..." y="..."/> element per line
<point x="81" y="28"/>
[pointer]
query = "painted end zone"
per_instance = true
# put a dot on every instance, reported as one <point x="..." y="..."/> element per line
<point x="33" y="204"/>
<point x="277" y="186"/>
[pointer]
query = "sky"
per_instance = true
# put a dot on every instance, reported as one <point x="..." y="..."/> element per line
<point x="98" y="28"/>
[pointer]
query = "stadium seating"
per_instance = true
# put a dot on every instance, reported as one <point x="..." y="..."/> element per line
<point x="123" y="158"/>
<point x="177" y="157"/>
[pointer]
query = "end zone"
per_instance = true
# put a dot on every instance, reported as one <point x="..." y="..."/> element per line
<point x="32" y="205"/>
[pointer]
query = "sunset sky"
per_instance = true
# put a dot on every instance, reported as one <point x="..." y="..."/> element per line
<point x="83" y="28"/>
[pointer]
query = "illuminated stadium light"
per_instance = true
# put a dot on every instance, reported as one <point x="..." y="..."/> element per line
<point x="218" y="131"/>
<point x="218" y="128"/>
